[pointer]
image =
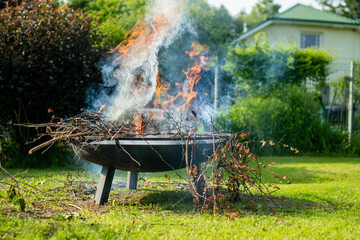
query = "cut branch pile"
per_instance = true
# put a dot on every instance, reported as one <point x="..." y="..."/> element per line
<point x="234" y="174"/>
<point x="90" y="126"/>
<point x="78" y="129"/>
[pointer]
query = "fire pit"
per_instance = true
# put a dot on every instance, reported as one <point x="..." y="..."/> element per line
<point x="154" y="153"/>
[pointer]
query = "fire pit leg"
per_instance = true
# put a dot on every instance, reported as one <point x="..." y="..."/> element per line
<point x="132" y="179"/>
<point x="104" y="185"/>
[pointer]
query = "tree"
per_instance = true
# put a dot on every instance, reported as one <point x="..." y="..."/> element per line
<point x="260" y="12"/>
<point x="115" y="17"/>
<point x="267" y="8"/>
<point x="48" y="59"/>
<point x="214" y="26"/>
<point x="211" y="26"/>
<point x="347" y="8"/>
<point x="239" y="23"/>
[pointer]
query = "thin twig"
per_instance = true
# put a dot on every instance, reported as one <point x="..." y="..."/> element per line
<point x="118" y="144"/>
<point x="72" y="205"/>
<point x="51" y="141"/>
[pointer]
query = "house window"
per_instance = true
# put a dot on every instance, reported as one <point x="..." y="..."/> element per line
<point x="310" y="40"/>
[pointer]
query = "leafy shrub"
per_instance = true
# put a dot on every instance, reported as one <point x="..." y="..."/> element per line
<point x="260" y="68"/>
<point x="11" y="157"/>
<point x="48" y="58"/>
<point x="290" y="115"/>
<point x="357" y="96"/>
<point x="355" y="143"/>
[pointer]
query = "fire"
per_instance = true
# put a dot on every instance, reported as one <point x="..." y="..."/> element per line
<point x="162" y="87"/>
<point x="138" y="123"/>
<point x="140" y="86"/>
<point x="138" y="37"/>
<point x="196" y="49"/>
<point x="186" y="92"/>
<point x="181" y="104"/>
<point x="163" y="100"/>
<point x="102" y="107"/>
<point x="193" y="77"/>
<point x="133" y="64"/>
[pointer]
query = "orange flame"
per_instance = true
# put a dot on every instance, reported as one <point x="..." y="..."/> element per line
<point x="139" y="35"/>
<point x="162" y="99"/>
<point x="138" y="123"/>
<point x="187" y="92"/>
<point x="102" y="107"/>
<point x="196" y="49"/>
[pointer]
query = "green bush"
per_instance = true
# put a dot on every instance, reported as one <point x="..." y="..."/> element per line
<point x="260" y="68"/>
<point x="48" y="59"/>
<point x="272" y="101"/>
<point x="357" y="96"/>
<point x="355" y="143"/>
<point x="289" y="115"/>
<point x="10" y="156"/>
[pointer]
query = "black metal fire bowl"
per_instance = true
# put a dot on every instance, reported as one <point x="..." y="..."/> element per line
<point x="148" y="153"/>
<point x="144" y="154"/>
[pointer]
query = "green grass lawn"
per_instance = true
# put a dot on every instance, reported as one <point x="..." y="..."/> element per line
<point x="322" y="202"/>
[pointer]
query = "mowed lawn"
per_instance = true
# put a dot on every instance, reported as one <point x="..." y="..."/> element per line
<point x="322" y="202"/>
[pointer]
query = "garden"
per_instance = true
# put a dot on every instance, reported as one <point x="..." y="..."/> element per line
<point x="279" y="167"/>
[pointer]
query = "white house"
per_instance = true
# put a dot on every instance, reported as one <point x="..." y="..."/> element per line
<point x="307" y="26"/>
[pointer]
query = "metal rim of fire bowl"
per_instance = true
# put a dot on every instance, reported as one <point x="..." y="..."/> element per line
<point x="153" y="153"/>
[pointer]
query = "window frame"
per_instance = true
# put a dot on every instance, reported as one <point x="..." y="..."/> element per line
<point x="316" y="34"/>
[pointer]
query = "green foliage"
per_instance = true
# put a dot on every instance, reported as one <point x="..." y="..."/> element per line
<point x="267" y="8"/>
<point x="290" y="115"/>
<point x="48" y="58"/>
<point x="15" y="197"/>
<point x="115" y="17"/>
<point x="347" y="8"/>
<point x="355" y="143"/>
<point x="262" y="10"/>
<point x="260" y="68"/>
<point x="214" y="26"/>
<point x="11" y="192"/>
<point x="357" y="97"/>
<point x="239" y="23"/>
<point x="14" y="155"/>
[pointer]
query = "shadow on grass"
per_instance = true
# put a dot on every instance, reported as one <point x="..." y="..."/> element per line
<point x="174" y="200"/>
<point x="181" y="201"/>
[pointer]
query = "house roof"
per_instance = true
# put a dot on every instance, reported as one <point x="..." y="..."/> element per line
<point x="300" y="13"/>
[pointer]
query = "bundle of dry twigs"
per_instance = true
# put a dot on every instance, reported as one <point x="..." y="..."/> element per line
<point x="90" y="126"/>
<point x="74" y="129"/>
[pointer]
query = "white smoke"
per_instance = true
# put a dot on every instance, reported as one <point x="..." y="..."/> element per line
<point x="140" y="62"/>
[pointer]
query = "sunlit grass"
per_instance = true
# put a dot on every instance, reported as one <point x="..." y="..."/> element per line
<point x="322" y="202"/>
